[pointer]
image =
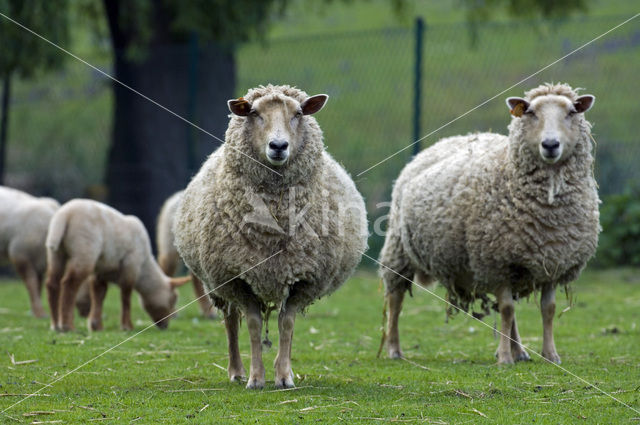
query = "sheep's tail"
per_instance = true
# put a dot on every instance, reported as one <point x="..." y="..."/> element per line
<point x="57" y="228"/>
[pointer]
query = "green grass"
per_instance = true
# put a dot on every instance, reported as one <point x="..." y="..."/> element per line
<point x="173" y="376"/>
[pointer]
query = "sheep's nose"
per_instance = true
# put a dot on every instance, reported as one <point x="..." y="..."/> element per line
<point x="550" y="144"/>
<point x="278" y="145"/>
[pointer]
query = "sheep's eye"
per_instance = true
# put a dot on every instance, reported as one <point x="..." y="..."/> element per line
<point x="298" y="114"/>
<point x="530" y="113"/>
<point x="571" y="113"/>
<point x="254" y="113"/>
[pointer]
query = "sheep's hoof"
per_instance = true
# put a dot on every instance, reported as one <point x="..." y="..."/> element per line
<point x="239" y="378"/>
<point x="40" y="313"/>
<point x="504" y="358"/>
<point x="395" y="353"/>
<point x="95" y="325"/>
<point x="64" y="328"/>
<point x="126" y="327"/>
<point x="520" y="355"/>
<point x="552" y="357"/>
<point x="285" y="382"/>
<point x="211" y="314"/>
<point x="255" y="384"/>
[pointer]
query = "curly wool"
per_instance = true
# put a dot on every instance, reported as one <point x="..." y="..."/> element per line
<point x="477" y="212"/>
<point x="226" y="251"/>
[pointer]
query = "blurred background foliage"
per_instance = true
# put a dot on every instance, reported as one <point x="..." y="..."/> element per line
<point x="360" y="52"/>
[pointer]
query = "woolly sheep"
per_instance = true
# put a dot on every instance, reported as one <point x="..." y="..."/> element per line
<point x="270" y="221"/>
<point x="490" y="214"/>
<point x="24" y="220"/>
<point x="93" y="243"/>
<point x="168" y="257"/>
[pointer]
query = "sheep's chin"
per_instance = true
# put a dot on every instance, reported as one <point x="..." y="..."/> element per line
<point x="550" y="159"/>
<point x="278" y="161"/>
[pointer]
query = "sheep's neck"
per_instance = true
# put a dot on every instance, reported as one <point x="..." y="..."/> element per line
<point x="547" y="184"/>
<point x="149" y="277"/>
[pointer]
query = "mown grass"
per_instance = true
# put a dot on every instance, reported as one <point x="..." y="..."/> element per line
<point x="177" y="376"/>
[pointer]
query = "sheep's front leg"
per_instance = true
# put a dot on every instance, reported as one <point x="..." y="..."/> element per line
<point x="517" y="350"/>
<point x="97" y="290"/>
<point x="548" y="309"/>
<point x="231" y="323"/>
<point x="125" y="298"/>
<point x="254" y="323"/>
<point x="506" y="308"/>
<point x="394" y="301"/>
<point x="32" y="281"/>
<point x="282" y="364"/>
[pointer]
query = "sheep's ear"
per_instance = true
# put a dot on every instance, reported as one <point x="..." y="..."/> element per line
<point x="179" y="281"/>
<point x="584" y="103"/>
<point x="517" y="106"/>
<point x="313" y="104"/>
<point x="239" y="106"/>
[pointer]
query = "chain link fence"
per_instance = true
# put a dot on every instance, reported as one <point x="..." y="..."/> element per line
<point x="60" y="125"/>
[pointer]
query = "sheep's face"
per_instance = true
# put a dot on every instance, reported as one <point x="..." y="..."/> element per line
<point x="550" y="124"/>
<point x="276" y="124"/>
<point x="161" y="307"/>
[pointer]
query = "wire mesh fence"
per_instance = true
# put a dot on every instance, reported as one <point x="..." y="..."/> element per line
<point x="60" y="125"/>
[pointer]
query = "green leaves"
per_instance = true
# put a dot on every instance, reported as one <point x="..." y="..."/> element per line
<point x="22" y="52"/>
<point x="620" y="239"/>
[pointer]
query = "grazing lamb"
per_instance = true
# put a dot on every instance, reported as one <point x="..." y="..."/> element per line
<point x="490" y="214"/>
<point x="270" y="221"/>
<point x="24" y="220"/>
<point x="168" y="257"/>
<point x="90" y="241"/>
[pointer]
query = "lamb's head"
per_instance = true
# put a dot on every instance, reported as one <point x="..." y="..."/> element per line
<point x="162" y="302"/>
<point x="549" y="120"/>
<point x="274" y="118"/>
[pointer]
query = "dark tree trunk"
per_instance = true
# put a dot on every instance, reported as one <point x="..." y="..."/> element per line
<point x="151" y="149"/>
<point x="4" y="124"/>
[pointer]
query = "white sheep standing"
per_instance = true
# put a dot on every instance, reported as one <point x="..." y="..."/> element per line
<point x="490" y="214"/>
<point x="168" y="257"/>
<point x="24" y="220"/>
<point x="90" y="241"/>
<point x="270" y="221"/>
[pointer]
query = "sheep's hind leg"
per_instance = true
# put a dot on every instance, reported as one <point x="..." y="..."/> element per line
<point x="548" y="309"/>
<point x="74" y="276"/>
<point x="394" y="302"/>
<point x="54" y="275"/>
<point x="517" y="349"/>
<point x="254" y="323"/>
<point x="97" y="290"/>
<point x="506" y="308"/>
<point x="231" y="323"/>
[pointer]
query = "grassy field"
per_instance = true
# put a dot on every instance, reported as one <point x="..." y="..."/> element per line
<point x="450" y="375"/>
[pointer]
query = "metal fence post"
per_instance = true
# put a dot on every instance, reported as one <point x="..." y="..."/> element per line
<point x="417" y="89"/>
<point x="192" y="87"/>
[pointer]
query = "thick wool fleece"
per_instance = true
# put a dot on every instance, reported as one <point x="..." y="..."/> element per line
<point x="222" y="245"/>
<point x="167" y="252"/>
<point x="24" y="221"/>
<point x="481" y="211"/>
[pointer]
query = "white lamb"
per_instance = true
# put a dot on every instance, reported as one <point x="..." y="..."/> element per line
<point x="270" y="221"/>
<point x="490" y="214"/>
<point x="24" y="221"/>
<point x="168" y="257"/>
<point x="88" y="240"/>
